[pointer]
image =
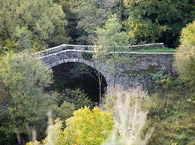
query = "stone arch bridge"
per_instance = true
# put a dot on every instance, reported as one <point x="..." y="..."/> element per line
<point x="133" y="68"/>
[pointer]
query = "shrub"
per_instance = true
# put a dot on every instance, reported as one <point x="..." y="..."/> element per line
<point x="64" y="111"/>
<point x="164" y="80"/>
<point x="69" y="101"/>
<point x="173" y="118"/>
<point x="77" y="97"/>
<point x="86" y="127"/>
<point x="185" y="55"/>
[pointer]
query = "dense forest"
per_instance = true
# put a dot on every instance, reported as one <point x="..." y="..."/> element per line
<point x="61" y="106"/>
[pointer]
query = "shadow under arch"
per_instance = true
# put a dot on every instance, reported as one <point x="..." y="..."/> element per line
<point x="76" y="60"/>
<point x="74" y="74"/>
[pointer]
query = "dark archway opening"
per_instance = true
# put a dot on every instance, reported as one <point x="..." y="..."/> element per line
<point x="78" y="75"/>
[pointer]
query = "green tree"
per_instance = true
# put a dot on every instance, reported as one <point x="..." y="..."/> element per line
<point x="25" y="78"/>
<point x="110" y="38"/>
<point x="71" y="16"/>
<point x="158" y="20"/>
<point x="3" y="96"/>
<point x="32" y="24"/>
<point x="91" y="14"/>
<point x="7" y="136"/>
<point x="185" y="55"/>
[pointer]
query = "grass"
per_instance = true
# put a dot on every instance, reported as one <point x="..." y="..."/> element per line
<point x="165" y="49"/>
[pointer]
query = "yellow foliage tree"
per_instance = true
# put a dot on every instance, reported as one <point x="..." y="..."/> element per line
<point x="185" y="56"/>
<point x="85" y="127"/>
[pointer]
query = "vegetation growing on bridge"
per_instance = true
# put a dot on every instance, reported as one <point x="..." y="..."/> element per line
<point x="165" y="49"/>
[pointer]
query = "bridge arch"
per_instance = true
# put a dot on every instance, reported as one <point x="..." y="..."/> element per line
<point x="87" y="81"/>
<point x="94" y="65"/>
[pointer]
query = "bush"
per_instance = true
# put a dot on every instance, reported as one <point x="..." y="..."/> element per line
<point x="164" y="80"/>
<point x="77" y="97"/>
<point x="173" y="117"/>
<point x="64" y="111"/>
<point x="86" y="127"/>
<point x="69" y="101"/>
<point x="185" y="55"/>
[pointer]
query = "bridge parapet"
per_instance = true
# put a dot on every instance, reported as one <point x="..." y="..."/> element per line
<point x="91" y="47"/>
<point x="55" y="59"/>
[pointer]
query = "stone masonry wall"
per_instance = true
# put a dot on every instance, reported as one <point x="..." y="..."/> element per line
<point x="141" y="67"/>
<point x="133" y="69"/>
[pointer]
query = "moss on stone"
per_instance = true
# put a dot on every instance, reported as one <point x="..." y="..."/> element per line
<point x="87" y="56"/>
<point x="68" y="47"/>
<point x="151" y="70"/>
<point x="153" y="67"/>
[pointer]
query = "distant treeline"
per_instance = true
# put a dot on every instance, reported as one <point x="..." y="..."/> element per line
<point x="39" y="24"/>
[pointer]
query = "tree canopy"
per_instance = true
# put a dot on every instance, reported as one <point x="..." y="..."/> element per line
<point x="158" y="21"/>
<point x="185" y="56"/>
<point x="90" y="15"/>
<point x="36" y="24"/>
<point x="111" y="36"/>
<point x="25" y="78"/>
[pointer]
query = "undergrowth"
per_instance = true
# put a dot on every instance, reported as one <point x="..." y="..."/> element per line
<point x="173" y="117"/>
